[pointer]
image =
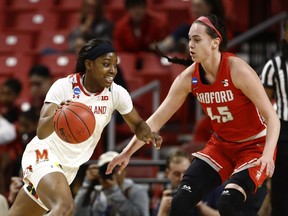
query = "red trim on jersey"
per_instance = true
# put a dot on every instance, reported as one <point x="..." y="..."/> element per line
<point x="78" y="79"/>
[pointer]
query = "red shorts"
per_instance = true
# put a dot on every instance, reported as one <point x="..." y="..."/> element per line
<point x="228" y="158"/>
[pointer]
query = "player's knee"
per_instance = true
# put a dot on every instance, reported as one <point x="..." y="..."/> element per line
<point x="184" y="200"/>
<point x="66" y="208"/>
<point x="69" y="208"/>
<point x="230" y="202"/>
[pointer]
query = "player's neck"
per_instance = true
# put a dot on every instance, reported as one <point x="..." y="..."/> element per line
<point x="211" y="65"/>
<point x="88" y="87"/>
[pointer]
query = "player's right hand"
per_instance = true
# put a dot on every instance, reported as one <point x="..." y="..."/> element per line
<point x="122" y="160"/>
<point x="63" y="103"/>
<point x="66" y="102"/>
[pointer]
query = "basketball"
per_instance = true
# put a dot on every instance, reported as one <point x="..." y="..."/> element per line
<point x="74" y="123"/>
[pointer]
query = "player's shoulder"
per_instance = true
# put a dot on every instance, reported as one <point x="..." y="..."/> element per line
<point x="188" y="72"/>
<point x="65" y="83"/>
<point x="115" y="88"/>
<point x="116" y="91"/>
<point x="234" y="59"/>
<point x="238" y="65"/>
<point x="67" y="79"/>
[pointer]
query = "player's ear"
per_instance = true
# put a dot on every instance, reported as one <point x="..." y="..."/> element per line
<point x="216" y="42"/>
<point x="88" y="64"/>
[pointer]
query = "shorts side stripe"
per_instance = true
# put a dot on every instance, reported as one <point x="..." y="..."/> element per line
<point x="37" y="200"/>
<point x="208" y="160"/>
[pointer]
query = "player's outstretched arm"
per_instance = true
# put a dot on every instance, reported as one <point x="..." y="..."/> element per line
<point x="177" y="94"/>
<point x="141" y="128"/>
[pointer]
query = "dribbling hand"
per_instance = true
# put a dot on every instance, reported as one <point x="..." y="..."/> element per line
<point x="63" y="103"/>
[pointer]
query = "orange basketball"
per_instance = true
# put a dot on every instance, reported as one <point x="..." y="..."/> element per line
<point x="74" y="123"/>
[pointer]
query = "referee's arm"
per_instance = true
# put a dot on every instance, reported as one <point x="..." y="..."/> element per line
<point x="267" y="79"/>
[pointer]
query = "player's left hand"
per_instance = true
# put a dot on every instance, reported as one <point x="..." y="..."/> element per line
<point x="266" y="162"/>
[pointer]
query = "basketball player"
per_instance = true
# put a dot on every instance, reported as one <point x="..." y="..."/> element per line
<point x="242" y="148"/>
<point x="50" y="164"/>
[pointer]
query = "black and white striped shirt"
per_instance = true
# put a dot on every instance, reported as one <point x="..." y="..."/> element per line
<point x="275" y="75"/>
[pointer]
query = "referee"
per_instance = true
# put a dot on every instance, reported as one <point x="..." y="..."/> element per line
<point x="275" y="80"/>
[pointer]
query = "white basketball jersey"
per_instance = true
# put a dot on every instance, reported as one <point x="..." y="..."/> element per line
<point x="102" y="105"/>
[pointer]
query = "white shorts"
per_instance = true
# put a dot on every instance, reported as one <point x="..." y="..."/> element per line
<point x="38" y="160"/>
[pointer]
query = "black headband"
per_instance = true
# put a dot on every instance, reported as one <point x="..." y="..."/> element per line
<point x="97" y="51"/>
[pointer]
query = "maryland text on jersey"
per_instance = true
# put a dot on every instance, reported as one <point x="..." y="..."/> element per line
<point x="98" y="109"/>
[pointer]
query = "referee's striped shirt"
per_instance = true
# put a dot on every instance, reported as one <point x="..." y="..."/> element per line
<point x="275" y="75"/>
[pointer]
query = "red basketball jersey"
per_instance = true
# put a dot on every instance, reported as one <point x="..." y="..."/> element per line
<point x="233" y="116"/>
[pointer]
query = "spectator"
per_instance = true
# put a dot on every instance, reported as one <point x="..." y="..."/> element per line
<point x="177" y="163"/>
<point x="79" y="41"/>
<point x="178" y="40"/>
<point x="15" y="186"/>
<point x="9" y="93"/>
<point x="40" y="79"/>
<point x="11" y="153"/>
<point x="27" y="126"/>
<point x="26" y="130"/>
<point x="116" y="195"/>
<point x="275" y="78"/>
<point x="3" y="206"/>
<point x="138" y="29"/>
<point x="7" y="131"/>
<point x="93" y="24"/>
<point x="9" y="112"/>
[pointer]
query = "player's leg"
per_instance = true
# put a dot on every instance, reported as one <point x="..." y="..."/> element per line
<point x="245" y="179"/>
<point x="232" y="199"/>
<point x="199" y="179"/>
<point x="46" y="181"/>
<point x="25" y="206"/>
<point x="54" y="191"/>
